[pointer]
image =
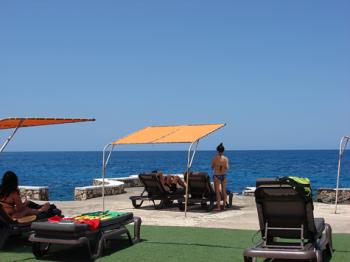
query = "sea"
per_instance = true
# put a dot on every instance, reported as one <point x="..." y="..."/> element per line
<point x="63" y="171"/>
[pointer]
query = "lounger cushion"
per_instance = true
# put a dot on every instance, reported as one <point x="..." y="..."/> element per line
<point x="117" y="220"/>
<point x="69" y="226"/>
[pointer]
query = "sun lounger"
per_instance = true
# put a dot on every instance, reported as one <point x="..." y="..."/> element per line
<point x="155" y="191"/>
<point x="288" y="227"/>
<point x="10" y="227"/>
<point x="202" y="192"/>
<point x="71" y="233"/>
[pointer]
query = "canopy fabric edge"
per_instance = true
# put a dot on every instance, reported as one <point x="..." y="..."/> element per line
<point x="46" y="118"/>
<point x="15" y="122"/>
<point x="168" y="134"/>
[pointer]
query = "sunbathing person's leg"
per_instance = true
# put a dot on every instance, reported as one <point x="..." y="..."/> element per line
<point x="18" y="214"/>
<point x="218" y="194"/>
<point x="178" y="180"/>
<point x="163" y="180"/>
<point x="44" y="207"/>
<point x="26" y="211"/>
<point x="169" y="179"/>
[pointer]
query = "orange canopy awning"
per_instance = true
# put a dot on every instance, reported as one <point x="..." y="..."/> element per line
<point x="169" y="134"/>
<point x="14" y="122"/>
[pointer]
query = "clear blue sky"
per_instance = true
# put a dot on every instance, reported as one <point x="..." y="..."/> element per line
<point x="276" y="72"/>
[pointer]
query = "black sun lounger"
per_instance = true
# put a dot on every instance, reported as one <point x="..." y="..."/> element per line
<point x="10" y="227"/>
<point x="154" y="190"/>
<point x="288" y="227"/>
<point x="47" y="233"/>
<point x="202" y="192"/>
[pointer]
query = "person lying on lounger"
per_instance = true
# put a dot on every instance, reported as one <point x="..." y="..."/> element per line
<point x="170" y="182"/>
<point x="11" y="202"/>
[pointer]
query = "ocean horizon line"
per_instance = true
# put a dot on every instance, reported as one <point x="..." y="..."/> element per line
<point x="165" y="150"/>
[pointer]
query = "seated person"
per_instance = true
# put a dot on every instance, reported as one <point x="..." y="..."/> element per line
<point x="170" y="182"/>
<point x="11" y="202"/>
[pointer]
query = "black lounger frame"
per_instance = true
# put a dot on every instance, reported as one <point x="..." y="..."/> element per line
<point x="154" y="190"/>
<point x="284" y="212"/>
<point x="9" y="227"/>
<point x="48" y="233"/>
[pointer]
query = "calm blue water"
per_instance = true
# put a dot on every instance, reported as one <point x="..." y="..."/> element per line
<point x="63" y="171"/>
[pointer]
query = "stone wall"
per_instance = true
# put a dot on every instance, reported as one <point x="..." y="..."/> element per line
<point x="249" y="191"/>
<point x="327" y="195"/>
<point x="113" y="186"/>
<point x="87" y="192"/>
<point x="131" y="181"/>
<point x="35" y="192"/>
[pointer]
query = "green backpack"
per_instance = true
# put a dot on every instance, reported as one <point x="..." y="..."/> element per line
<point x="301" y="184"/>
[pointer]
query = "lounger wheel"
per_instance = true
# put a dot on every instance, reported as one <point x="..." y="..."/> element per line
<point x="40" y="249"/>
<point x="135" y="205"/>
<point x="248" y="259"/>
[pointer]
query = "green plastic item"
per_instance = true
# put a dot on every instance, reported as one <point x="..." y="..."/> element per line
<point x="303" y="181"/>
<point x="105" y="214"/>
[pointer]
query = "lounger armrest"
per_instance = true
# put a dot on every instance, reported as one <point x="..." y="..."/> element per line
<point x="319" y="225"/>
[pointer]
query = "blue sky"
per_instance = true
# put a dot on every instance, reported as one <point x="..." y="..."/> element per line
<point x="276" y="72"/>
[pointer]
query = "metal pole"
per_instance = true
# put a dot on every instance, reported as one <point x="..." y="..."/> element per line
<point x="104" y="164"/>
<point x="341" y="152"/>
<point x="11" y="136"/>
<point x="189" y="164"/>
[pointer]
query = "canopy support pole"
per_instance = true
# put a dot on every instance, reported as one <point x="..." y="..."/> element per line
<point x="11" y="135"/>
<point x="343" y="142"/>
<point x="104" y="164"/>
<point x="190" y="157"/>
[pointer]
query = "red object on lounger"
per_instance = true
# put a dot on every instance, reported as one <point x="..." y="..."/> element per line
<point x="54" y="219"/>
<point x="93" y="223"/>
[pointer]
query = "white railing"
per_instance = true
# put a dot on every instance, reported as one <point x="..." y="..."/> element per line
<point x="343" y="142"/>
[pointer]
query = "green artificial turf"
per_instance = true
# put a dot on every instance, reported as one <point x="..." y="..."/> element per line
<point x="167" y="244"/>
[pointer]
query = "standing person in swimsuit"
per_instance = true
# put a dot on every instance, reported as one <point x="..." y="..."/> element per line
<point x="10" y="198"/>
<point x="220" y="167"/>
